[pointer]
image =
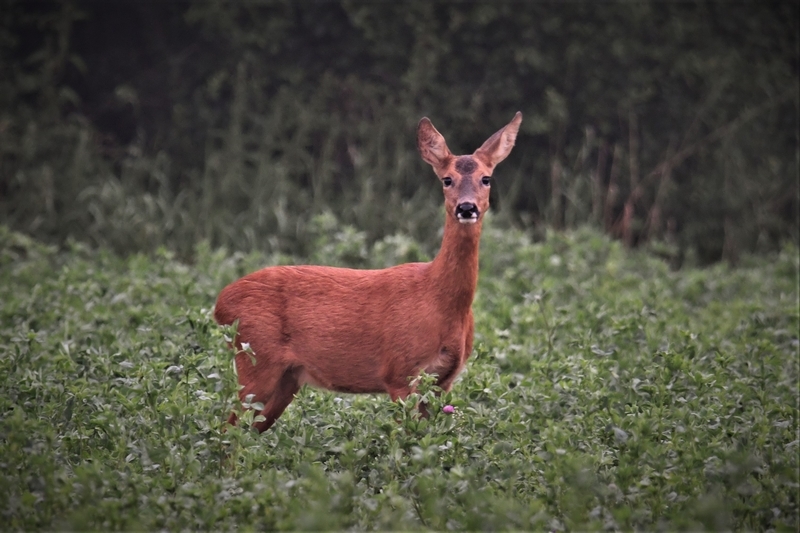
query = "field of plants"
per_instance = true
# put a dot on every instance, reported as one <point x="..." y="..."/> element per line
<point x="605" y="392"/>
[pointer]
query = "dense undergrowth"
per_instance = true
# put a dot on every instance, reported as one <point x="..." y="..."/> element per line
<point x="605" y="391"/>
<point x="132" y="125"/>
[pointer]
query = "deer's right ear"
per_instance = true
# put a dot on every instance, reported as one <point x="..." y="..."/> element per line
<point x="431" y="145"/>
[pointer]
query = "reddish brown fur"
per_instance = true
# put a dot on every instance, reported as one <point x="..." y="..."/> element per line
<point x="367" y="331"/>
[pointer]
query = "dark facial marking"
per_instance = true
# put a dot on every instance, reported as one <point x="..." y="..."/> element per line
<point x="465" y="166"/>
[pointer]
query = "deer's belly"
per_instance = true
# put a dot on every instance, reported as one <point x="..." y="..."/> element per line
<point x="346" y="381"/>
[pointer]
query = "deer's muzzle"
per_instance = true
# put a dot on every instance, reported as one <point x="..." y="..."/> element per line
<point x="467" y="213"/>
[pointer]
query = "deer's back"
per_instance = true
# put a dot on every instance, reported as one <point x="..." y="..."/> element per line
<point x="320" y="294"/>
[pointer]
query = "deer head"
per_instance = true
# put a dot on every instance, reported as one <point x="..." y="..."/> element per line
<point x="466" y="179"/>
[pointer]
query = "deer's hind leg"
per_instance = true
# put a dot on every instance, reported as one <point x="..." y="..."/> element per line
<point x="282" y="395"/>
<point x="269" y="382"/>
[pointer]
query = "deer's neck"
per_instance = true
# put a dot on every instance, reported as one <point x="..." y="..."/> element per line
<point x="455" y="268"/>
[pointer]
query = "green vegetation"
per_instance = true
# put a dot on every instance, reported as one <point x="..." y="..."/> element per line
<point x="151" y="152"/>
<point x="605" y="391"/>
<point x="133" y="125"/>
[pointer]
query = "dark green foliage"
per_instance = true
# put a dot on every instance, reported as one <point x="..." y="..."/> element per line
<point x="140" y="124"/>
<point x="604" y="392"/>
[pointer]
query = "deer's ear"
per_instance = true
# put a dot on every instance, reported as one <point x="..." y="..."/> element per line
<point x="431" y="145"/>
<point x="498" y="146"/>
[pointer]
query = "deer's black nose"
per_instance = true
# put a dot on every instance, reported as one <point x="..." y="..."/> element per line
<point x="467" y="211"/>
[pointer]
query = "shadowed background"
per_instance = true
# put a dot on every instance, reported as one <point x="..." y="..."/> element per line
<point x="257" y="125"/>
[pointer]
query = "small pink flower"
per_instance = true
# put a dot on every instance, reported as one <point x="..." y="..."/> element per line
<point x="448" y="409"/>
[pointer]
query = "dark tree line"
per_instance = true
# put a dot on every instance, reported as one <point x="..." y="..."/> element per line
<point x="134" y="124"/>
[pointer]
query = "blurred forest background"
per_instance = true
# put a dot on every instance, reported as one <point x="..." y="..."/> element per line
<point x="256" y="125"/>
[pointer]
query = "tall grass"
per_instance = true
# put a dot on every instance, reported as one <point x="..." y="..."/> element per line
<point x="266" y="176"/>
<point x="261" y="181"/>
<point x="241" y="136"/>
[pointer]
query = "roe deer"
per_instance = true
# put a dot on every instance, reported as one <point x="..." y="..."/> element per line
<point x="369" y="331"/>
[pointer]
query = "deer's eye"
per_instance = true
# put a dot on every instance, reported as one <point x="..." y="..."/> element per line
<point x="447" y="181"/>
<point x="486" y="180"/>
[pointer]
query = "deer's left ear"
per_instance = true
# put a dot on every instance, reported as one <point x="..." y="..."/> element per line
<point x="498" y="146"/>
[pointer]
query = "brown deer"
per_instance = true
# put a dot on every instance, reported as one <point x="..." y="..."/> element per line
<point x="369" y="331"/>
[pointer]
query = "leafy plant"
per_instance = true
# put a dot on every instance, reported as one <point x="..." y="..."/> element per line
<point x="605" y="392"/>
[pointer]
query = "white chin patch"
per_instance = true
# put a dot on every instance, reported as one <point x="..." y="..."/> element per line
<point x="468" y="220"/>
